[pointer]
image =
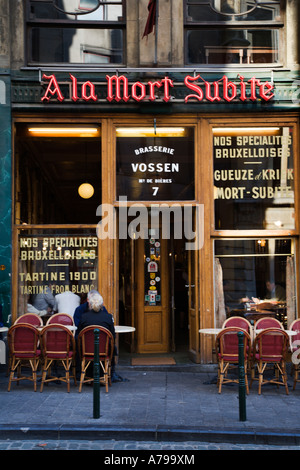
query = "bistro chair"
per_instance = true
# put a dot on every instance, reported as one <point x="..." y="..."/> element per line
<point x="31" y="319"/>
<point x="58" y="346"/>
<point x="240" y="322"/>
<point x="295" y="326"/>
<point x="227" y="349"/>
<point x="23" y="343"/>
<point x="263" y="323"/>
<point x="61" y="319"/>
<point x="270" y="348"/>
<point x="86" y="340"/>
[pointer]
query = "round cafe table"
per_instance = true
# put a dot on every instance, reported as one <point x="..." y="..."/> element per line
<point x="124" y="329"/>
<point x="210" y="331"/>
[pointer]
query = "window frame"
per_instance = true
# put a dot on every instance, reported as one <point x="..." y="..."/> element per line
<point x="192" y="25"/>
<point x="30" y="23"/>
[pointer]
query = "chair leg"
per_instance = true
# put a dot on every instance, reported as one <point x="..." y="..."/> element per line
<point x="12" y="372"/>
<point x="284" y="377"/>
<point x="221" y="375"/>
<point x="84" y="366"/>
<point x="46" y="368"/>
<point x="34" y="366"/>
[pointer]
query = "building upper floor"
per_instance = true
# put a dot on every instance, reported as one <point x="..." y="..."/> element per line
<point x="205" y="34"/>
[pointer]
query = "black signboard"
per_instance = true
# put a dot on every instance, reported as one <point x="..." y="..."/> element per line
<point x="155" y="168"/>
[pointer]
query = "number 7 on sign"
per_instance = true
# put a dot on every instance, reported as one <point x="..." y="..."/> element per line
<point x="155" y="189"/>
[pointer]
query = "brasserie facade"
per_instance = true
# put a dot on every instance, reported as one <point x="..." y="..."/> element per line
<point x="156" y="165"/>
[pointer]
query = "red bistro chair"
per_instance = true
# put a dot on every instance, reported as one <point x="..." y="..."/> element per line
<point x="58" y="345"/>
<point x="61" y="319"/>
<point x="31" y="319"/>
<point x="270" y="348"/>
<point x="227" y="348"/>
<point x="23" y="342"/>
<point x="263" y="323"/>
<point x="240" y="322"/>
<point x="86" y="347"/>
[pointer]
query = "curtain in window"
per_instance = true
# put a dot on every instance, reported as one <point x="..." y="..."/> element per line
<point x="290" y="290"/>
<point x="220" y="315"/>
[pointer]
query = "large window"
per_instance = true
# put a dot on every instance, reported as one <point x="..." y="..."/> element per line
<point x="253" y="178"/>
<point x="232" y="32"/>
<point x="256" y="276"/>
<point x="75" y="31"/>
<point x="52" y="162"/>
<point x="54" y="262"/>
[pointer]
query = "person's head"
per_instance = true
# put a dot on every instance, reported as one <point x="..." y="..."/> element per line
<point x="270" y="284"/>
<point x="95" y="300"/>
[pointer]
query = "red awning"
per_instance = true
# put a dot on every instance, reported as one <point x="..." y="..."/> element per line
<point x="151" y="17"/>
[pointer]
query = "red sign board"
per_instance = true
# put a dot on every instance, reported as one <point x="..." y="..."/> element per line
<point x="120" y="90"/>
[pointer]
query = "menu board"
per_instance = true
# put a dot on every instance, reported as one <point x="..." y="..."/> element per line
<point x="253" y="178"/>
<point x="155" y="168"/>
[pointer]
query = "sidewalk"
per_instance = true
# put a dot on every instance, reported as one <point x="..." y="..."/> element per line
<point x="179" y="402"/>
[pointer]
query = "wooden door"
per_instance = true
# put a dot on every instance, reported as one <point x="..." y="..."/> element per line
<point x="193" y="300"/>
<point x="152" y="295"/>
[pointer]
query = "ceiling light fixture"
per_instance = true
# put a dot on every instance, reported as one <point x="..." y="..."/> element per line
<point x="64" y="131"/>
<point x="150" y="131"/>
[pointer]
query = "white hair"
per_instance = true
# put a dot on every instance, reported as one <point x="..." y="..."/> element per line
<point x="95" y="300"/>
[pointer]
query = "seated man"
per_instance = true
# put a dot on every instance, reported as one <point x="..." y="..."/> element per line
<point x="275" y="291"/>
<point x="67" y="302"/>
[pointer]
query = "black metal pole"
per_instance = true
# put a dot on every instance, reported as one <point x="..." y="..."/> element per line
<point x="96" y="388"/>
<point x="242" y="383"/>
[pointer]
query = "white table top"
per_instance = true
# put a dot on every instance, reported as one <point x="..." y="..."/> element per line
<point x="70" y="327"/>
<point x="124" y="329"/>
<point x="289" y="332"/>
<point x="210" y="331"/>
<point x="3" y="329"/>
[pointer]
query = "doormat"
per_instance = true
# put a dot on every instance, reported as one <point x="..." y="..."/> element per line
<point x="152" y="361"/>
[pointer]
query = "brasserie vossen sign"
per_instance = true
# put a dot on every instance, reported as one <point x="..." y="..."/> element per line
<point x="119" y="89"/>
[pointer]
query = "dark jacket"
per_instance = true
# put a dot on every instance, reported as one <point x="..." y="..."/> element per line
<point x="101" y="318"/>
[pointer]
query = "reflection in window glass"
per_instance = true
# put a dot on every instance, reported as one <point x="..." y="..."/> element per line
<point x="234" y="10"/>
<point x="70" y="45"/>
<point x="80" y="10"/>
<point x="232" y="46"/>
<point x="242" y="31"/>
<point x="54" y="265"/>
<point x="253" y="178"/>
<point x="258" y="276"/>
<point x="49" y="171"/>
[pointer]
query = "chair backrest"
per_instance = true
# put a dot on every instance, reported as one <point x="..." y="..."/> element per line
<point x="295" y="326"/>
<point x="271" y="344"/>
<point x="227" y="342"/>
<point x="57" y="341"/>
<point x="61" y="319"/>
<point x="239" y="322"/>
<point x="30" y="318"/>
<point x="23" y="340"/>
<point x="267" y="322"/>
<point x="86" y="340"/>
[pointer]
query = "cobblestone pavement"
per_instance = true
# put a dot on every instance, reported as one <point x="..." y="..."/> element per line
<point x="119" y="446"/>
<point x="179" y="411"/>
